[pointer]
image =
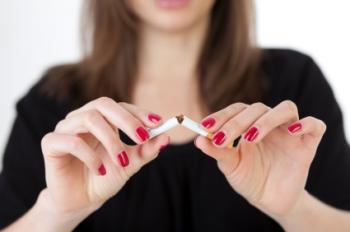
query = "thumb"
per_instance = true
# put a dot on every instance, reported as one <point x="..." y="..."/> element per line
<point x="146" y="152"/>
<point x="227" y="158"/>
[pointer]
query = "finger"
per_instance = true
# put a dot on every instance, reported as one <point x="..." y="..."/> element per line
<point x="284" y="113"/>
<point x="118" y="117"/>
<point x="140" y="155"/>
<point x="148" y="118"/>
<point x="58" y="145"/>
<point x="94" y="123"/>
<point x="238" y="124"/>
<point x="310" y="128"/>
<point x="228" y="159"/>
<point x="214" y="121"/>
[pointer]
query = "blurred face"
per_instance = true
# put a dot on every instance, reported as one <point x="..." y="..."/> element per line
<point x="171" y="15"/>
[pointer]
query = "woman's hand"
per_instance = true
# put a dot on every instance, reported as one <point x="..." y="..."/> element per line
<point x="86" y="162"/>
<point x="270" y="165"/>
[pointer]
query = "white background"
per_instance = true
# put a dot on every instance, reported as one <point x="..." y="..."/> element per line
<point x="39" y="33"/>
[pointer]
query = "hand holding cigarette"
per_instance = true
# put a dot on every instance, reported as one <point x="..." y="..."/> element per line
<point x="270" y="166"/>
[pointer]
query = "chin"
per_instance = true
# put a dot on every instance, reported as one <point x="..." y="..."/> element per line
<point x="171" y="15"/>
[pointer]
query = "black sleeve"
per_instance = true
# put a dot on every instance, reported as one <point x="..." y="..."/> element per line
<point x="329" y="177"/>
<point x="22" y="177"/>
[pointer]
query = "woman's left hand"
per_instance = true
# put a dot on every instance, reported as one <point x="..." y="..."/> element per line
<point x="270" y="165"/>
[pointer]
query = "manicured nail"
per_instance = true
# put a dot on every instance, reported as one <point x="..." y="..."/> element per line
<point x="142" y="133"/>
<point x="295" y="127"/>
<point x="219" y="138"/>
<point x="123" y="159"/>
<point x="209" y="122"/>
<point x="252" y="134"/>
<point x="154" y="118"/>
<point x="102" y="170"/>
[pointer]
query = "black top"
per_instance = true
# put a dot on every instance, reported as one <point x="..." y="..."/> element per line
<point x="183" y="190"/>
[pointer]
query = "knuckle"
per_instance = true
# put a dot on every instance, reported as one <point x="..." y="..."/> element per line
<point x="126" y="119"/>
<point x="233" y="125"/>
<point x="105" y="101"/>
<point x="290" y="105"/>
<point x="111" y="140"/>
<point x="260" y="106"/>
<point x="47" y="142"/>
<point x="309" y="118"/>
<point x="236" y="106"/>
<point x="91" y="117"/>
<point x="72" y="113"/>
<point x="46" y="139"/>
<point x="59" y="125"/>
<point x="129" y="120"/>
<point x="225" y="113"/>
<point x="123" y="104"/>
<point x="322" y="124"/>
<point x="93" y="161"/>
<point x="265" y="122"/>
<point x="240" y="105"/>
<point x="75" y="143"/>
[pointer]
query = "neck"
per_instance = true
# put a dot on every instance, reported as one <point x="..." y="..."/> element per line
<point x="165" y="56"/>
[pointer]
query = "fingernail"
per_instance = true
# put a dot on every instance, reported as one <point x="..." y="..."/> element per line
<point x="102" y="170"/>
<point x="123" y="159"/>
<point x="252" y="134"/>
<point x="209" y="122"/>
<point x="154" y="118"/>
<point x="142" y="133"/>
<point x="295" y="127"/>
<point x="219" y="138"/>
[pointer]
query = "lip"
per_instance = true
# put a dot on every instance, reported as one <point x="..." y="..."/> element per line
<point x="172" y="4"/>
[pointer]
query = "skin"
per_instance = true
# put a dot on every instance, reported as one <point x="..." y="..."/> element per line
<point x="270" y="171"/>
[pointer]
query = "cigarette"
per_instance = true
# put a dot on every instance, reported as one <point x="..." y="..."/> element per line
<point x="169" y="124"/>
<point x="195" y="127"/>
<point x="185" y="122"/>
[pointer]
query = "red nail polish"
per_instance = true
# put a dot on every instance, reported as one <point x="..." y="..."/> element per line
<point x="102" y="170"/>
<point x="142" y="133"/>
<point x="252" y="134"/>
<point x="154" y="118"/>
<point x="209" y="122"/>
<point x="123" y="159"/>
<point x="295" y="127"/>
<point x="219" y="138"/>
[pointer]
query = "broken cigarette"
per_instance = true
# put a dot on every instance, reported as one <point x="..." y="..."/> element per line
<point x="185" y="122"/>
<point x="194" y="126"/>
<point x="169" y="124"/>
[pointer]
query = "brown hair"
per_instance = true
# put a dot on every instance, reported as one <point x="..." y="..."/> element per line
<point x="228" y="67"/>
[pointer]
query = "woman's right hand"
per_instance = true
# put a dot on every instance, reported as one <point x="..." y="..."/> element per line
<point x="86" y="163"/>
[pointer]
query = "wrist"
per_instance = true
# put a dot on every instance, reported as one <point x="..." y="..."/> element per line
<point x="46" y="208"/>
<point x="300" y="216"/>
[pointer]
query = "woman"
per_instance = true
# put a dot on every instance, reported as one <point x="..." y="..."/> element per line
<point x="167" y="57"/>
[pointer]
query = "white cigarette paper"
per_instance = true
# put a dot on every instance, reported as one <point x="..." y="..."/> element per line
<point x="185" y="122"/>
<point x="169" y="124"/>
<point x="196" y="127"/>
<point x="193" y="126"/>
